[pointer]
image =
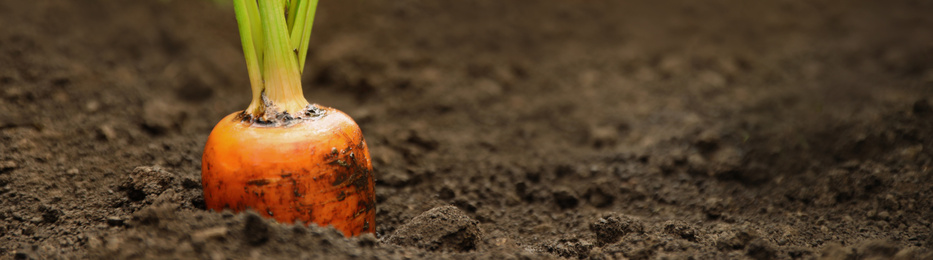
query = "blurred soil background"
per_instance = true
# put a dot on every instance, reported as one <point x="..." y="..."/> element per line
<point x="675" y="129"/>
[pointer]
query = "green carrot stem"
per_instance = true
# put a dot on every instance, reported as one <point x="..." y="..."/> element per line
<point x="243" y="15"/>
<point x="275" y="36"/>
<point x="292" y="13"/>
<point x="305" y="35"/>
<point x="281" y="75"/>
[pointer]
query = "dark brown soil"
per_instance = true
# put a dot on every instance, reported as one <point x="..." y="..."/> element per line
<point x="669" y="129"/>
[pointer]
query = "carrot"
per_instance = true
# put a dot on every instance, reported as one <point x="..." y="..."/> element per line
<point x="283" y="157"/>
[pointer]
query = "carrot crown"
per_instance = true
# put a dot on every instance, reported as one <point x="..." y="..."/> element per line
<point x="275" y="36"/>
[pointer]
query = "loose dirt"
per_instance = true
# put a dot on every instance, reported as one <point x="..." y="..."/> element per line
<point x="671" y="129"/>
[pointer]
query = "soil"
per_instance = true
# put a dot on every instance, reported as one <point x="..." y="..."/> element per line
<point x="670" y="129"/>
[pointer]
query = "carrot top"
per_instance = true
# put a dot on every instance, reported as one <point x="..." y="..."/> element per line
<point x="275" y="36"/>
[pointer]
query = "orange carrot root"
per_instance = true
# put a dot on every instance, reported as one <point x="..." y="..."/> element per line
<point x="315" y="170"/>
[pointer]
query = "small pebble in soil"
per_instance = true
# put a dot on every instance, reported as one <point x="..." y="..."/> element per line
<point x="445" y="228"/>
<point x="613" y="226"/>
<point x="106" y="132"/>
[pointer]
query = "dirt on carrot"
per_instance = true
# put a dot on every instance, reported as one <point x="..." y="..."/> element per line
<point x="498" y="129"/>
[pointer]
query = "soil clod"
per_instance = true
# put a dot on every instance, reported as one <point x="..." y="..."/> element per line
<point x="571" y="248"/>
<point x="681" y="230"/>
<point x="439" y="229"/>
<point x="613" y="226"/>
<point x="50" y="214"/>
<point x="735" y="239"/>
<point x="146" y="181"/>
<point x="255" y="229"/>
